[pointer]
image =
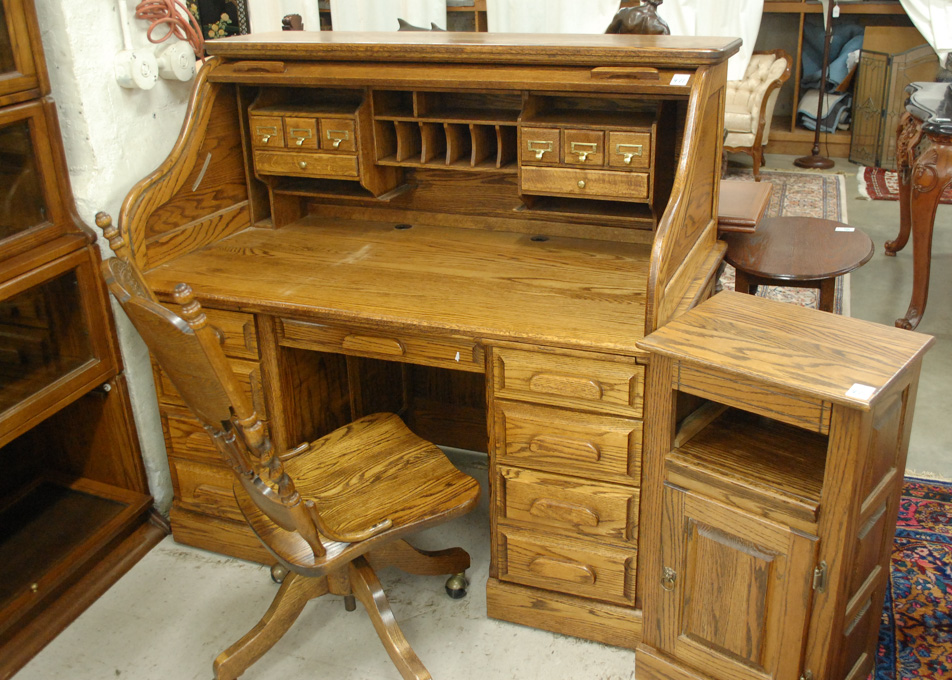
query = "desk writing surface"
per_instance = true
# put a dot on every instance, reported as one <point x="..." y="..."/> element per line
<point x="482" y="284"/>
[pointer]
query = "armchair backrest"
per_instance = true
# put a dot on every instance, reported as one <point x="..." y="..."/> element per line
<point x="765" y="72"/>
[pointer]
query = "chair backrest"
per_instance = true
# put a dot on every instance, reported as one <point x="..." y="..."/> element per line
<point x="189" y="351"/>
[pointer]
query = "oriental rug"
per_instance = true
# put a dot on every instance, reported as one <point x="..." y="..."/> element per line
<point x="915" y="637"/>
<point x="876" y="184"/>
<point x="800" y="194"/>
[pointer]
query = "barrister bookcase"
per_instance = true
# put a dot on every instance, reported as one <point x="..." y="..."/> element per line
<point x="774" y="459"/>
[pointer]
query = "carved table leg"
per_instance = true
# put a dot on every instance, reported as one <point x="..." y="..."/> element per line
<point x="908" y="136"/>
<point x="931" y="173"/>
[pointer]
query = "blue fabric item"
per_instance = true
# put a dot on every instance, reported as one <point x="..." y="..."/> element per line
<point x="847" y="37"/>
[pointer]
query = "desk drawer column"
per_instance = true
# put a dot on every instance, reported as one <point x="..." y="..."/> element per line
<point x="565" y="447"/>
<point x="204" y="512"/>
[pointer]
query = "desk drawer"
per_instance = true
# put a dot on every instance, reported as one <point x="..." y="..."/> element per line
<point x="576" y="381"/>
<point x="187" y="439"/>
<point x="305" y="164"/>
<point x="204" y="488"/>
<point x="575" y="567"/>
<point x="545" y="438"/>
<point x="247" y="373"/>
<point x="462" y="354"/>
<point x="627" y="186"/>
<point x="235" y="330"/>
<point x="542" y="501"/>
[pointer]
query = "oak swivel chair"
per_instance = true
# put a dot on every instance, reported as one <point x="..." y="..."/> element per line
<point x="329" y="511"/>
<point x="750" y="104"/>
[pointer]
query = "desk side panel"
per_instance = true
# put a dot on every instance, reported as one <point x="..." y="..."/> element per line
<point x="687" y="233"/>
<point x="201" y="192"/>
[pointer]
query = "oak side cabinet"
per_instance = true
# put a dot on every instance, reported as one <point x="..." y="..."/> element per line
<point x="776" y="441"/>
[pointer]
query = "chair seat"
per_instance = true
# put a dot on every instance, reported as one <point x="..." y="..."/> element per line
<point x="738" y="118"/>
<point x="367" y="472"/>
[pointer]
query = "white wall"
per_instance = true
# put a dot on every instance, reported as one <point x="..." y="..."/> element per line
<point x="113" y="137"/>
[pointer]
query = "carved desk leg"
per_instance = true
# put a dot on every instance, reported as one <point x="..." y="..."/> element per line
<point x="931" y="173"/>
<point x="908" y="136"/>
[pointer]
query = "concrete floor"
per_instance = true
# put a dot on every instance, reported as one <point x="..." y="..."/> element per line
<point x="174" y="611"/>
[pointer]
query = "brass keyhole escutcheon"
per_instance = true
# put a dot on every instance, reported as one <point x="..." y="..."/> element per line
<point x="668" y="576"/>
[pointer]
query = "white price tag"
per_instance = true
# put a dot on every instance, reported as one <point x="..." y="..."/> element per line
<point x="860" y="391"/>
<point x="680" y="78"/>
<point x="846" y="229"/>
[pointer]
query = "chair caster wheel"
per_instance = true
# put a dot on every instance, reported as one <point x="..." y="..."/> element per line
<point x="278" y="573"/>
<point x="456" y="586"/>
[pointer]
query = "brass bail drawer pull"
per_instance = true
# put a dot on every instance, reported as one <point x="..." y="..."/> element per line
<point x="628" y="151"/>
<point x="538" y="147"/>
<point x="668" y="576"/>
<point x="583" y="150"/>
<point x="266" y="132"/>
<point x="338" y="136"/>
<point x="299" y="135"/>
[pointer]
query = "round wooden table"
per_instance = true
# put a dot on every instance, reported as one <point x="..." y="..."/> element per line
<point x="801" y="252"/>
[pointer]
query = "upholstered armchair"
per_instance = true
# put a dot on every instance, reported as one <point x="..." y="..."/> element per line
<point x="750" y="104"/>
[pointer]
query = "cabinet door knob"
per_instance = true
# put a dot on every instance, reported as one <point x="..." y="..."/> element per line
<point x="668" y="576"/>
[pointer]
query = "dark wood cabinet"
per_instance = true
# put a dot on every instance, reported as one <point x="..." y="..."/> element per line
<point x="74" y="502"/>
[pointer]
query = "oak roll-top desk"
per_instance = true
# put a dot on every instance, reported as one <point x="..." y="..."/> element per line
<point x="471" y="230"/>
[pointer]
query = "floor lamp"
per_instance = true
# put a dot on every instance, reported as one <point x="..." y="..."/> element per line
<point x="815" y="160"/>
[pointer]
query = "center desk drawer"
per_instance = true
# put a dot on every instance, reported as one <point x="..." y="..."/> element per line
<point x="629" y="186"/>
<point x="576" y="567"/>
<point x="572" y="380"/>
<point x="572" y="506"/>
<point x="581" y="444"/>
<point x="462" y="354"/>
<point x="306" y="164"/>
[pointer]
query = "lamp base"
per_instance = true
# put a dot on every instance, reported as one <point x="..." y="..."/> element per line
<point x="815" y="161"/>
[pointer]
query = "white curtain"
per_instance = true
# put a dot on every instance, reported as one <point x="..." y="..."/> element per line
<point x="933" y="18"/>
<point x="550" y="16"/>
<point x="382" y="15"/>
<point x="725" y="18"/>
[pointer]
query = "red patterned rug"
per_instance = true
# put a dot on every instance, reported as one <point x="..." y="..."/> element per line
<point x="883" y="185"/>
<point x="915" y="638"/>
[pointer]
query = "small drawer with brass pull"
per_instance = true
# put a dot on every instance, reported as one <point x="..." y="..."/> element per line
<point x="306" y="164"/>
<point x="540" y="146"/>
<point x="584" y="147"/>
<point x="577" y="567"/>
<point x="595" y="183"/>
<point x="300" y="133"/>
<point x="337" y="134"/>
<point x="569" y="505"/>
<point x="267" y="131"/>
<point x="629" y="150"/>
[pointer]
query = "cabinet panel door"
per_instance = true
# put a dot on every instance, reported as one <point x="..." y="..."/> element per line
<point x="19" y="71"/>
<point x="739" y="589"/>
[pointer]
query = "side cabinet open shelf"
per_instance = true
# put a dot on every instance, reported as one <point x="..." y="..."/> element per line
<point x="771" y="489"/>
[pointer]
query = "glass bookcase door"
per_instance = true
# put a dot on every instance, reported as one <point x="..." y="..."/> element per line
<point x="18" y="67"/>
<point x="31" y="211"/>
<point x="52" y="344"/>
